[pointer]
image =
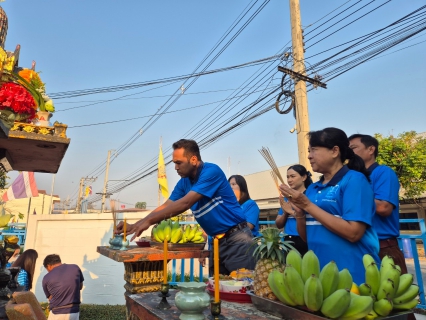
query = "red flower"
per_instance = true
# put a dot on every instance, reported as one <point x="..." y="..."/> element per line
<point x="18" y="99"/>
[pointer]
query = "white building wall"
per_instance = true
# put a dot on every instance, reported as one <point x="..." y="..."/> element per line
<point x="75" y="238"/>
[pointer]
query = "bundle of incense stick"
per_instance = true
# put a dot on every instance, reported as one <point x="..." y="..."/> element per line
<point x="270" y="160"/>
<point x="114" y="216"/>
<point x="274" y="177"/>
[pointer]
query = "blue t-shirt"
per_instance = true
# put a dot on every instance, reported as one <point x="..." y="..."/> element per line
<point x="23" y="279"/>
<point x="385" y="184"/>
<point x="290" y="227"/>
<point x="218" y="210"/>
<point x="349" y="196"/>
<point x="251" y="212"/>
<point x="63" y="284"/>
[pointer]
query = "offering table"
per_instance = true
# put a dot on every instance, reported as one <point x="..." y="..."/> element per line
<point x="144" y="305"/>
<point x="143" y="266"/>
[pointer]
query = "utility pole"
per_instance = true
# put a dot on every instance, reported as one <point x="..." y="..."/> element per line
<point x="302" y="114"/>
<point x="51" y="193"/>
<point x="81" y="190"/>
<point x="104" y="191"/>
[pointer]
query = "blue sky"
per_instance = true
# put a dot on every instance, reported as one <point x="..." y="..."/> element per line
<point x="91" y="44"/>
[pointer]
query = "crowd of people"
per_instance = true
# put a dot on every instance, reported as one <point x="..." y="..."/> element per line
<point x="352" y="210"/>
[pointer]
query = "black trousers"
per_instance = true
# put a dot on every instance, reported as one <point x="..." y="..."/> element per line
<point x="235" y="252"/>
<point x="298" y="243"/>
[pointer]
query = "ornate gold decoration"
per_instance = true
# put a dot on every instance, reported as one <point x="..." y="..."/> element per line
<point x="58" y="131"/>
<point x="44" y="130"/>
<point x="143" y="276"/>
<point x="28" y="128"/>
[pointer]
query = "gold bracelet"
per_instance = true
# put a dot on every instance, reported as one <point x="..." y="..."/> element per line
<point x="300" y="217"/>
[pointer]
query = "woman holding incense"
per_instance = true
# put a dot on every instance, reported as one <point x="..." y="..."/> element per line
<point x="298" y="178"/>
<point x="337" y="211"/>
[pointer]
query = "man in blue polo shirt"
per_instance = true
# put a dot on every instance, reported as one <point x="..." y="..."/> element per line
<point x="385" y="184"/>
<point x="204" y="189"/>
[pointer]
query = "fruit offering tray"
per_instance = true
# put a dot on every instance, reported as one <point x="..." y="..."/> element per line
<point x="187" y="246"/>
<point x="279" y="309"/>
<point x="230" y="296"/>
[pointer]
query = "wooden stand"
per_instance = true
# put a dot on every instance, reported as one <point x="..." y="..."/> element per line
<point x="143" y="268"/>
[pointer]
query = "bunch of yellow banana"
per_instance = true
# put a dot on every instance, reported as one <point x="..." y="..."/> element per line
<point x="192" y="234"/>
<point x="389" y="289"/>
<point x="326" y="290"/>
<point x="174" y="233"/>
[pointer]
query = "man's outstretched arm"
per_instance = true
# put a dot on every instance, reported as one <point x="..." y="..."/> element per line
<point x="167" y="210"/>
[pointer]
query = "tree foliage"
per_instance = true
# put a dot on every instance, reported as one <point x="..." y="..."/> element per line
<point x="140" y="205"/>
<point x="406" y="155"/>
<point x="3" y="179"/>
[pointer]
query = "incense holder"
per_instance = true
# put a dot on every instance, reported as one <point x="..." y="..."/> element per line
<point x="124" y="245"/>
<point x="192" y="300"/>
<point x="116" y="242"/>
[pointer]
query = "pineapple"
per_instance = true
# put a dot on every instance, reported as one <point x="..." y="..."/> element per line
<point x="270" y="254"/>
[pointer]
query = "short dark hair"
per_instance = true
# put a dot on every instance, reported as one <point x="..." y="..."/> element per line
<point x="190" y="146"/>
<point x="303" y="172"/>
<point x="241" y="182"/>
<point x="334" y="137"/>
<point x="51" y="260"/>
<point x="367" y="141"/>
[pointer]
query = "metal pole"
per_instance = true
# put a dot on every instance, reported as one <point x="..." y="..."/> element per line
<point x="51" y="193"/>
<point x="302" y="114"/>
<point x="105" y="182"/>
<point x="78" y="209"/>
<point x="28" y="211"/>
<point x="42" y="206"/>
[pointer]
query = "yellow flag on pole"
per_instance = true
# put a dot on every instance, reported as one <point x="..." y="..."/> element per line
<point x="162" y="178"/>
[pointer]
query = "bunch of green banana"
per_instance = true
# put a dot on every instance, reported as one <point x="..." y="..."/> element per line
<point x="303" y="283"/>
<point x="389" y="289"/>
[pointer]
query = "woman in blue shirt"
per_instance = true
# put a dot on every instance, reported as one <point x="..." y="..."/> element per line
<point x="298" y="178"/>
<point x="337" y="211"/>
<point x="26" y="261"/>
<point x="249" y="206"/>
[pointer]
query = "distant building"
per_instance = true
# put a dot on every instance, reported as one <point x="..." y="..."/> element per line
<point x="39" y="205"/>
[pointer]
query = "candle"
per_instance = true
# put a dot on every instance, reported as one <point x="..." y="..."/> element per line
<point x="216" y="269"/>
<point x="114" y="229"/>
<point x="124" y="229"/>
<point x="165" y="263"/>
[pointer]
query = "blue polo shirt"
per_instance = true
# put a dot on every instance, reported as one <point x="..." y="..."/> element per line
<point x="290" y="227"/>
<point x="348" y="196"/>
<point x="218" y="210"/>
<point x="385" y="184"/>
<point x="251" y="212"/>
